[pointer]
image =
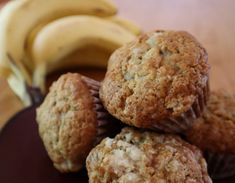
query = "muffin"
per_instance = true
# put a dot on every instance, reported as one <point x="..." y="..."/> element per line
<point x="135" y="156"/>
<point x="214" y="133"/>
<point x="72" y="121"/>
<point x="159" y="81"/>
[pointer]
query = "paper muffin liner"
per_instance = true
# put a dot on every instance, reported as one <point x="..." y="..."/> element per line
<point x="107" y="125"/>
<point x="183" y="122"/>
<point x="220" y="166"/>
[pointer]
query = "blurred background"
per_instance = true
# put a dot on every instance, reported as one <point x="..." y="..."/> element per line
<point x="210" y="21"/>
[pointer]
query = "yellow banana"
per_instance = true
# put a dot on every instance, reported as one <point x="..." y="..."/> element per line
<point x="125" y="24"/>
<point x="18" y="18"/>
<point x="61" y="37"/>
<point x="82" y="54"/>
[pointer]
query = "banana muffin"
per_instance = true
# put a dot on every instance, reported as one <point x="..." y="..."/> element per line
<point x="214" y="133"/>
<point x="136" y="156"/>
<point x="72" y="121"/>
<point x="159" y="81"/>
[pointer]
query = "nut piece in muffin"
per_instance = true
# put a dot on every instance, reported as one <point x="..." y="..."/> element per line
<point x="214" y="133"/>
<point x="158" y="81"/>
<point x="72" y="120"/>
<point x="135" y="156"/>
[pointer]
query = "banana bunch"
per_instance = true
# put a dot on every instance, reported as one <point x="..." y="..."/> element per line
<point x="41" y="36"/>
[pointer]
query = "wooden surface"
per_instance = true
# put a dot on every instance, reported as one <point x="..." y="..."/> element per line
<point x="212" y="22"/>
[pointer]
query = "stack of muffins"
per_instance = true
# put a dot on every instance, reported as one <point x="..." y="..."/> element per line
<point x="156" y="90"/>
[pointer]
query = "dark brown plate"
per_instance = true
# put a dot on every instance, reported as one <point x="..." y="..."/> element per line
<point x="24" y="159"/>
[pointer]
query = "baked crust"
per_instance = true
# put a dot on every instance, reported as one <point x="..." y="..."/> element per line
<point x="136" y="156"/>
<point x="157" y="76"/>
<point x="215" y="130"/>
<point x="67" y="122"/>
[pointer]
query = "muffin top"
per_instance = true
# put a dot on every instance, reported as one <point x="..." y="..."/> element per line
<point x="157" y="76"/>
<point x="215" y="130"/>
<point x="135" y="156"/>
<point x="67" y="122"/>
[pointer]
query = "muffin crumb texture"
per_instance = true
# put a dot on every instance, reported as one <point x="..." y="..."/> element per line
<point x="157" y="76"/>
<point x="65" y="119"/>
<point x="136" y="156"/>
<point x="215" y="130"/>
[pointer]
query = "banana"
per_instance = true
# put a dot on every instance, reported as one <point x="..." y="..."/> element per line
<point x="133" y="28"/>
<point x="125" y="24"/>
<point x="17" y="20"/>
<point x="61" y="37"/>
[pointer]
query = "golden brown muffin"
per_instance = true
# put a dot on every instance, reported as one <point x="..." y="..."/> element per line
<point x="160" y="80"/>
<point x="215" y="130"/>
<point x="214" y="133"/>
<point x="135" y="156"/>
<point x="71" y="121"/>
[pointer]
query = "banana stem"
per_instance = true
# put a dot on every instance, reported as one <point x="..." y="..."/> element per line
<point x="19" y="70"/>
<point x="19" y="88"/>
<point x="28" y="95"/>
<point x="39" y="77"/>
<point x="35" y="95"/>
